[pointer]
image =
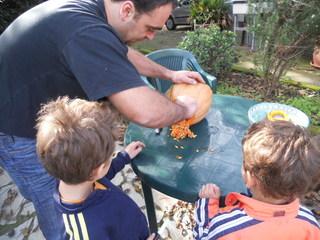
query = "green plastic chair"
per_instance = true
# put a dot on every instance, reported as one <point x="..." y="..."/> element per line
<point x="176" y="59"/>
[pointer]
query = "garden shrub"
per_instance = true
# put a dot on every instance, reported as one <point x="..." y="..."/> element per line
<point x="11" y="9"/>
<point x="227" y="89"/>
<point x="211" y="12"/>
<point x="309" y="105"/>
<point x="214" y="49"/>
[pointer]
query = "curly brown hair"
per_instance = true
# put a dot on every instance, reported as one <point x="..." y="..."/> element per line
<point x="283" y="158"/>
<point x="75" y="137"/>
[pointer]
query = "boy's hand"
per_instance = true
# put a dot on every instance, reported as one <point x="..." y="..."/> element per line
<point x="210" y="190"/>
<point x="134" y="148"/>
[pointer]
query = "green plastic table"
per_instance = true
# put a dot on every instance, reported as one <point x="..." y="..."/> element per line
<point x="180" y="168"/>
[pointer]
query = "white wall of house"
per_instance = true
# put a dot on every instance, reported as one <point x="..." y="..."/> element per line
<point x="240" y="11"/>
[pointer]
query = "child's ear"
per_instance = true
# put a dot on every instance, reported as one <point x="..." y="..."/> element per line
<point x="248" y="178"/>
<point x="99" y="172"/>
<point x="251" y="180"/>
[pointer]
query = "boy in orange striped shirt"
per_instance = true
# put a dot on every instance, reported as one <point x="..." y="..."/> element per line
<point x="281" y="162"/>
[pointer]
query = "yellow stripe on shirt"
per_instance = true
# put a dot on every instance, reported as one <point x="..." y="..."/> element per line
<point x="74" y="226"/>
<point x="66" y="225"/>
<point x="83" y="227"/>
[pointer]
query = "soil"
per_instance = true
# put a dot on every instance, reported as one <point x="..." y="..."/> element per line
<point x="251" y="87"/>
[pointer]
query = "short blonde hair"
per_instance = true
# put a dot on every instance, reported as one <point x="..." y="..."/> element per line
<point x="283" y="157"/>
<point x="75" y="137"/>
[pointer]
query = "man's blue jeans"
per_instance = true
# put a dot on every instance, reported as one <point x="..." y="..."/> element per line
<point x="19" y="158"/>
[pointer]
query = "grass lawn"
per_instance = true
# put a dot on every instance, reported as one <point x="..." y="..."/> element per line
<point x="163" y="39"/>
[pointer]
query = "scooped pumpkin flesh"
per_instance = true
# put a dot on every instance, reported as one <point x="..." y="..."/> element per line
<point x="182" y="130"/>
<point x="202" y="93"/>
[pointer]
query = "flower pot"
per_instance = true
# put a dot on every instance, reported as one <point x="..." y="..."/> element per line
<point x="316" y="58"/>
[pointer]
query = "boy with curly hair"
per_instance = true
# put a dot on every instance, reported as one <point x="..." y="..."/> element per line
<point x="75" y="141"/>
<point x="281" y="163"/>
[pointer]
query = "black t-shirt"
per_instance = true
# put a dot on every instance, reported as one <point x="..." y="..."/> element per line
<point x="60" y="47"/>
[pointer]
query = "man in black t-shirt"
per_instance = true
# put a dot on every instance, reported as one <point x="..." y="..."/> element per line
<point x="78" y="48"/>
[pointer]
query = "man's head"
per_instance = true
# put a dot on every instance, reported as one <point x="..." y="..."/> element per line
<point x="281" y="157"/>
<point x="136" y="20"/>
<point x="75" y="137"/>
<point x="146" y="6"/>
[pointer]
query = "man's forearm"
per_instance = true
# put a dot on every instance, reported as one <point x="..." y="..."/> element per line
<point x="147" y="67"/>
<point x="148" y="108"/>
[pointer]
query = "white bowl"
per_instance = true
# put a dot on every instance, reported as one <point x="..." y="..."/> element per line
<point x="259" y="112"/>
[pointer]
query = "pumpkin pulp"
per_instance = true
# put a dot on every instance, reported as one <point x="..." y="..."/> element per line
<point x="202" y="94"/>
<point x="181" y="130"/>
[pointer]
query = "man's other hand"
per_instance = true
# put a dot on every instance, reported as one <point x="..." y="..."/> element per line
<point x="187" y="77"/>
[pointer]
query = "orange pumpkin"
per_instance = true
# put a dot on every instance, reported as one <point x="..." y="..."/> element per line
<point x="202" y="93"/>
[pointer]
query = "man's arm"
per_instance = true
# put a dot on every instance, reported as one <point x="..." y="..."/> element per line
<point x="147" y="67"/>
<point x="149" y="108"/>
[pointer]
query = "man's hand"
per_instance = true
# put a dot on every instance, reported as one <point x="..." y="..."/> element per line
<point x="147" y="67"/>
<point x="210" y="190"/>
<point x="188" y="77"/>
<point x="134" y="148"/>
<point x="189" y="103"/>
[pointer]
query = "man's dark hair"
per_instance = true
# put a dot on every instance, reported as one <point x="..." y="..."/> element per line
<point x="145" y="6"/>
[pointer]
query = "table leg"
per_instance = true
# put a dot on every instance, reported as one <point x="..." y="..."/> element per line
<point x="148" y="198"/>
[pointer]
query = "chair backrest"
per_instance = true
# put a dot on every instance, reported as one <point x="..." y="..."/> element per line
<point x="174" y="59"/>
